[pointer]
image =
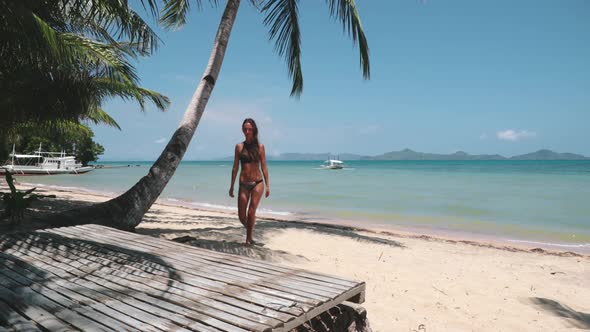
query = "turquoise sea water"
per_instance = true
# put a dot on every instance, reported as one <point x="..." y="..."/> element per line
<point x="545" y="201"/>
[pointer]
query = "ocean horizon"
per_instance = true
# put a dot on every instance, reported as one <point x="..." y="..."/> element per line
<point x="544" y="202"/>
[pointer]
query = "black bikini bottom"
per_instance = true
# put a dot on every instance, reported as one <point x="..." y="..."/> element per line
<point x="249" y="185"/>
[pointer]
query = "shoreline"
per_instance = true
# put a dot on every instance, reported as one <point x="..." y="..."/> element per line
<point x="400" y="231"/>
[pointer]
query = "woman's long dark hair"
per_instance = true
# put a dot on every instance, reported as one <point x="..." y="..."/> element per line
<point x="252" y="148"/>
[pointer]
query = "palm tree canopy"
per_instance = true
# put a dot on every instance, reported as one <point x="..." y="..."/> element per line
<point x="282" y="19"/>
<point x="60" y="59"/>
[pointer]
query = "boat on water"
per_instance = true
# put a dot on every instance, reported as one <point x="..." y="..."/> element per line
<point x="333" y="164"/>
<point x="43" y="163"/>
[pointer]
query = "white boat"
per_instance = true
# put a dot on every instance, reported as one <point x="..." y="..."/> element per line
<point x="333" y="164"/>
<point x="44" y="163"/>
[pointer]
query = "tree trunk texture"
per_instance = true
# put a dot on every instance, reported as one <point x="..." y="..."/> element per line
<point x="126" y="211"/>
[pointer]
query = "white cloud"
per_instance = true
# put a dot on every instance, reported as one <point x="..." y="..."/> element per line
<point x="483" y="136"/>
<point x="514" y="135"/>
<point x="160" y="140"/>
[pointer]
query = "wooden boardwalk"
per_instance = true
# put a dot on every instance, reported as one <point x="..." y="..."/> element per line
<point x="96" y="278"/>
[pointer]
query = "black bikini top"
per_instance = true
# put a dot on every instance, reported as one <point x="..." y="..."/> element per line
<point x="245" y="156"/>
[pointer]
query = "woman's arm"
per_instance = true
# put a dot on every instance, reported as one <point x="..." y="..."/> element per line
<point x="264" y="169"/>
<point x="234" y="170"/>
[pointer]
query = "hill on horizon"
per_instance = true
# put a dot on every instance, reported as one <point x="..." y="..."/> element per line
<point x="407" y="154"/>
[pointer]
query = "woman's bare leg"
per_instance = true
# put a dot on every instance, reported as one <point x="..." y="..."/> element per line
<point x="243" y="196"/>
<point x="255" y="196"/>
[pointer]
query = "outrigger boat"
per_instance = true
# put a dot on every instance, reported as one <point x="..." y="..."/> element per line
<point x="333" y="164"/>
<point x="43" y="163"/>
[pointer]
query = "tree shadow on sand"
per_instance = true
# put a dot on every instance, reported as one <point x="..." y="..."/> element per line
<point x="43" y="274"/>
<point x="576" y="318"/>
<point x="227" y="235"/>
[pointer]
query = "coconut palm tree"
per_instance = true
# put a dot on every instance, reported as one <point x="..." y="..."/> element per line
<point x="281" y="16"/>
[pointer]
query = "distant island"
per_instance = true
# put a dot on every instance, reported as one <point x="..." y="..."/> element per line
<point x="408" y="154"/>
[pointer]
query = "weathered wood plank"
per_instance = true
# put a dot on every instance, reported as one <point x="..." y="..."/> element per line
<point x="257" y="265"/>
<point x="122" y="303"/>
<point x="116" y="309"/>
<point x="167" y="314"/>
<point x="94" y="272"/>
<point x="36" y="313"/>
<point x="77" y="299"/>
<point x="15" y="320"/>
<point x="220" y="271"/>
<point x="237" y="264"/>
<point x="207" y="312"/>
<point x="113" y="269"/>
<point x="62" y="307"/>
<point x="209" y="271"/>
<point x="259" y="298"/>
<point x="357" y="295"/>
<point x="266" y="266"/>
<point x="58" y="305"/>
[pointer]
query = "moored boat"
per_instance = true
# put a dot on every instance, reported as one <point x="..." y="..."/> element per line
<point x="43" y="163"/>
<point x="333" y="164"/>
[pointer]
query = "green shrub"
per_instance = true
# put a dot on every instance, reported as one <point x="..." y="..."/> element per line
<point x="16" y="201"/>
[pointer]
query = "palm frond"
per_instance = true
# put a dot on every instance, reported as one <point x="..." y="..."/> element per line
<point x="114" y="17"/>
<point x="174" y="12"/>
<point x="346" y="12"/>
<point x="99" y="116"/>
<point x="282" y="19"/>
<point x="55" y="49"/>
<point x="173" y="15"/>
<point x="73" y="48"/>
<point x="125" y="90"/>
<point x="105" y="56"/>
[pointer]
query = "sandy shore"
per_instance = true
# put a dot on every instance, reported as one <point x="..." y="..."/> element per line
<point x="414" y="282"/>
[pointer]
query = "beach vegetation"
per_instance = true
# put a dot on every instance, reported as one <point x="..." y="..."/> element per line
<point x="60" y="60"/>
<point x="15" y="202"/>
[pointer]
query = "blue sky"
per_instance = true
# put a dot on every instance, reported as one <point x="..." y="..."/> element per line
<point x="500" y="76"/>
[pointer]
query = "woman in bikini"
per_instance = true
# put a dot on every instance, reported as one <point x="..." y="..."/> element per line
<point x="252" y="158"/>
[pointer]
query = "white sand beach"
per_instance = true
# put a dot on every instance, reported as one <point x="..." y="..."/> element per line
<point x="414" y="282"/>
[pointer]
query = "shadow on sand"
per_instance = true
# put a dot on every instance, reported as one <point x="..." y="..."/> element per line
<point x="576" y="319"/>
<point x="227" y="235"/>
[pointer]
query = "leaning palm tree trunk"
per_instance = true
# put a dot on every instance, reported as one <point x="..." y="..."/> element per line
<point x="126" y="211"/>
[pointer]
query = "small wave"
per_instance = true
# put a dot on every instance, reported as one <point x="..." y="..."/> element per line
<point x="278" y="213"/>
<point x="214" y="206"/>
<point x="219" y="207"/>
<point x="561" y="245"/>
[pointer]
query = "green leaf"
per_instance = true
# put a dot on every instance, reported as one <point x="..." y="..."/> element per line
<point x="282" y="19"/>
